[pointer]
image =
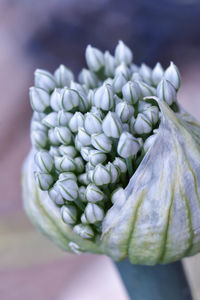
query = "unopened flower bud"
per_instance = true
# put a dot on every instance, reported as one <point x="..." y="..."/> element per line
<point x="120" y="163"/>
<point x="152" y="113"/>
<point x="143" y="105"/>
<point x="44" y="80"/>
<point x="101" y="175"/>
<point x="54" y="151"/>
<point x="109" y="64"/>
<point x="67" y="175"/>
<point x="103" y="97"/>
<point x="38" y="126"/>
<point x="123" y="54"/>
<point x="83" y="137"/>
<point x="63" y="134"/>
<point x="136" y="77"/>
<point x="89" y="167"/>
<point x="51" y="120"/>
<point x="94" y="58"/>
<point x="68" y="150"/>
<point x="88" y="78"/>
<point x="112" y="125"/>
<point x="44" y="180"/>
<point x="101" y="142"/>
<point x="53" y="137"/>
<point x="77" y="87"/>
<point x="93" y="213"/>
<point x="64" y="163"/>
<point x="145" y="89"/>
<point x="131" y="124"/>
<point x="131" y="92"/>
<point x="149" y="142"/>
<point x="157" y="73"/>
<point x="85" y="231"/>
<point x="44" y="161"/>
<point x="128" y="145"/>
<point x="69" y="214"/>
<point x="68" y="189"/>
<point x="55" y="195"/>
<point x="64" y="117"/>
<point x="118" y="194"/>
<point x="70" y="99"/>
<point x="114" y="172"/>
<point x="93" y="123"/>
<point x="166" y="91"/>
<point x="83" y="179"/>
<point x="123" y="69"/>
<point x="38" y="116"/>
<point x="39" y="138"/>
<point x="83" y="102"/>
<point x="39" y="99"/>
<point x="118" y="82"/>
<point x="76" y="121"/>
<point x="97" y="111"/>
<point x="142" y="124"/>
<point x="85" y="153"/>
<point x="81" y="193"/>
<point x="63" y="76"/>
<point x="146" y="73"/>
<point x="55" y="100"/>
<point x="124" y="111"/>
<point x="173" y="76"/>
<point x="96" y="157"/>
<point x="79" y="164"/>
<point x="93" y="194"/>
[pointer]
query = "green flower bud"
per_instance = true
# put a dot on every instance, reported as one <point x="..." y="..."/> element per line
<point x="166" y="91"/>
<point x="101" y="175"/>
<point x="96" y="157"/>
<point x="131" y="92"/>
<point x="83" y="137"/>
<point x="88" y="78"/>
<point x="70" y="99"/>
<point x="173" y="76"/>
<point x="76" y="121"/>
<point x="128" y="145"/>
<point x="118" y="82"/>
<point x="101" y="142"/>
<point x="68" y="150"/>
<point x="51" y="120"/>
<point x="93" y="213"/>
<point x="109" y="64"/>
<point x="44" y="180"/>
<point x="44" y="80"/>
<point x="85" y="231"/>
<point x="44" y="161"/>
<point x="112" y="126"/>
<point x="68" y="188"/>
<point x="39" y="139"/>
<point x="65" y="163"/>
<point x="146" y="73"/>
<point x="157" y="73"/>
<point x="69" y="214"/>
<point x="63" y="134"/>
<point x="63" y="76"/>
<point x="142" y="124"/>
<point x="93" y="194"/>
<point x="103" y="97"/>
<point x="39" y="99"/>
<point x="124" y="111"/>
<point x="93" y="123"/>
<point x="123" y="54"/>
<point x="94" y="58"/>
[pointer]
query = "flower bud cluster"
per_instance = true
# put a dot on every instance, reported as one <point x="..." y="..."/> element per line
<point x="89" y="135"/>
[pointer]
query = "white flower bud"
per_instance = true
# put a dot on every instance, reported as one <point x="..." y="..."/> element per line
<point x="123" y="69"/>
<point x="76" y="121"/>
<point x="134" y="68"/>
<point x="118" y="82"/>
<point x="108" y="81"/>
<point x="123" y="54"/>
<point x="101" y="175"/>
<point x="97" y="111"/>
<point x="94" y="58"/>
<point x="64" y="163"/>
<point x="142" y="124"/>
<point x="83" y="137"/>
<point x="55" y="195"/>
<point x="166" y="91"/>
<point x="79" y="164"/>
<point x="112" y="125"/>
<point x="83" y="219"/>
<point x="101" y="142"/>
<point x="136" y="77"/>
<point x="96" y="157"/>
<point x="70" y="99"/>
<point x="83" y="102"/>
<point x="120" y="163"/>
<point x="38" y="116"/>
<point x="145" y="89"/>
<point x="77" y="87"/>
<point x="93" y="213"/>
<point x="143" y="105"/>
<point x="152" y="113"/>
<point x="88" y="78"/>
<point x="44" y="161"/>
<point x="85" y="153"/>
<point x="55" y="100"/>
<point x="64" y="117"/>
<point x="93" y="194"/>
<point x="90" y="174"/>
<point x="114" y="172"/>
<point x="128" y="145"/>
<point x="44" y="180"/>
<point x="173" y="76"/>
<point x="39" y="99"/>
<point x="131" y="124"/>
<point x="77" y="144"/>
<point x="131" y="92"/>
<point x="103" y="97"/>
<point x="93" y="123"/>
<point x="67" y="175"/>
<point x="83" y="179"/>
<point x="38" y="126"/>
<point x="118" y="194"/>
<point x="69" y="214"/>
<point x="63" y="76"/>
<point x="85" y="231"/>
<point x="124" y="111"/>
<point x="81" y="193"/>
<point x="109" y="64"/>
<point x="149" y="142"/>
<point x="146" y="73"/>
<point x="44" y="80"/>
<point x="157" y="73"/>
<point x="39" y="139"/>
<point x="63" y="134"/>
<point x="53" y="137"/>
<point x="51" y="120"/>
<point x="89" y="167"/>
<point x="68" y="189"/>
<point x="54" y="151"/>
<point x="68" y="150"/>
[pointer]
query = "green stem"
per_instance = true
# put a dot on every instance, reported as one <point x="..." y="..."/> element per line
<point x="160" y="282"/>
<point x="129" y="163"/>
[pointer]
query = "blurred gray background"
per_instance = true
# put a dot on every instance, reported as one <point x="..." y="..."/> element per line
<point x="44" y="34"/>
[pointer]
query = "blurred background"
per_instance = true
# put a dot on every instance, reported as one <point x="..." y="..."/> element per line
<point x="44" y="34"/>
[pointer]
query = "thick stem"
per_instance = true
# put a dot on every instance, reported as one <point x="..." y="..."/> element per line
<point x="160" y="282"/>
